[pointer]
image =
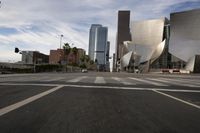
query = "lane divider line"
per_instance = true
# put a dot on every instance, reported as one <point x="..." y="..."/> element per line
<point x="177" y="99"/>
<point x="17" y="105"/>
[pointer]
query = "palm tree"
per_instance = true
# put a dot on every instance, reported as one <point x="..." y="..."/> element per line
<point x="75" y="51"/>
<point x="87" y="58"/>
<point x="82" y="58"/>
<point x="67" y="50"/>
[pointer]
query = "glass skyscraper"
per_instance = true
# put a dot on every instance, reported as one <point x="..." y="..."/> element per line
<point x="92" y="39"/>
<point x="98" y="44"/>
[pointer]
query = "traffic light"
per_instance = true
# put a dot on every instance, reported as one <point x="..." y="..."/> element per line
<point x="16" y="50"/>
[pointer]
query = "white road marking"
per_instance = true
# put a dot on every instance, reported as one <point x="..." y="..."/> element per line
<point x="159" y="80"/>
<point x="178" y="99"/>
<point x="99" y="80"/>
<point x="53" y="79"/>
<point x="28" y="100"/>
<point x="77" y="79"/>
<point x="110" y="87"/>
<point x="122" y="81"/>
<point x="179" y="83"/>
<point x="148" y="82"/>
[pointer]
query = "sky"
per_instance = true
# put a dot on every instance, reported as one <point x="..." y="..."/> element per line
<point x="38" y="24"/>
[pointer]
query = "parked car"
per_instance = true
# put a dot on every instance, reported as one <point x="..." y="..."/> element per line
<point x="84" y="70"/>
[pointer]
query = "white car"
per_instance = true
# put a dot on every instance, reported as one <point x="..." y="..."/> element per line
<point x="84" y="70"/>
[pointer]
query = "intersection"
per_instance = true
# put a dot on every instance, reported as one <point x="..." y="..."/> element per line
<point x="99" y="102"/>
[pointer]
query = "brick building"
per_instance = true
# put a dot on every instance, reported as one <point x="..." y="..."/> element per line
<point x="59" y="56"/>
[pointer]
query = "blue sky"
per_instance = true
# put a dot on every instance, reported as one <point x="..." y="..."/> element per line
<point x="37" y="24"/>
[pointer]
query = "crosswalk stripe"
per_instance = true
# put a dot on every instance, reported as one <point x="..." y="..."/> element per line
<point x="148" y="82"/>
<point x="54" y="79"/>
<point x="99" y="80"/>
<point x="163" y="81"/>
<point x="159" y="80"/>
<point x="122" y="81"/>
<point x="181" y="83"/>
<point x="186" y="80"/>
<point x="77" y="79"/>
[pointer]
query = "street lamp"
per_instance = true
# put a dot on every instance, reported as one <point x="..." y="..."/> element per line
<point x="61" y="36"/>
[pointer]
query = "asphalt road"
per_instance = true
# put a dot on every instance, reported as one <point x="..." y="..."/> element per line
<point x="100" y="103"/>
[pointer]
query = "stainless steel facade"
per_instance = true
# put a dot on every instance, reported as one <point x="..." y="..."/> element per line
<point x="148" y="42"/>
<point x="185" y="35"/>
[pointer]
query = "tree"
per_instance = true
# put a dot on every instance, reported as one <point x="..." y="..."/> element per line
<point x="82" y="58"/>
<point x="67" y="48"/>
<point x="91" y="62"/>
<point x="83" y="66"/>
<point x="75" y="51"/>
<point x="87" y="58"/>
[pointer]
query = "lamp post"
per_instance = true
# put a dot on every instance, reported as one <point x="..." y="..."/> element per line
<point x="61" y="36"/>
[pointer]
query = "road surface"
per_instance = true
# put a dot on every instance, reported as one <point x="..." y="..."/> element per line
<point x="100" y="103"/>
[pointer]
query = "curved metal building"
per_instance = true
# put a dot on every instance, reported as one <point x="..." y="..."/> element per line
<point x="148" y="43"/>
<point x="185" y="37"/>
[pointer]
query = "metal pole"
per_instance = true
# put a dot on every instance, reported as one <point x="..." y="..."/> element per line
<point x="61" y="36"/>
<point x="34" y="62"/>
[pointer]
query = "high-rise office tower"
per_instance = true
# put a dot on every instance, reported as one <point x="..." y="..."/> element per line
<point x="92" y="40"/>
<point x="98" y="44"/>
<point x="123" y="32"/>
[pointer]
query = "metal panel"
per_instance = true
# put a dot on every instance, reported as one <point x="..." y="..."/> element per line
<point x="147" y="38"/>
<point x="148" y="32"/>
<point x="190" y="64"/>
<point x="185" y="34"/>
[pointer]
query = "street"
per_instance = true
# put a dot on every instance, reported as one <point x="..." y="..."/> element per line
<point x="99" y="102"/>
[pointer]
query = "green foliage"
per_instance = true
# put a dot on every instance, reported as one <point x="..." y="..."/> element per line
<point x="47" y="68"/>
<point x="87" y="58"/>
<point x="91" y="62"/>
<point x="82" y="66"/>
<point x="82" y="58"/>
<point x="74" y="50"/>
<point x="67" y="48"/>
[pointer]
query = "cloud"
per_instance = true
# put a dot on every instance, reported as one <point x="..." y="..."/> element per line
<point x="39" y="23"/>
